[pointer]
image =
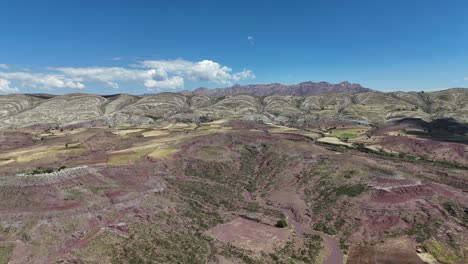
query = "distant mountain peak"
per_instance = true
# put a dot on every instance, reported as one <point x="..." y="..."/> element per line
<point x="301" y="89"/>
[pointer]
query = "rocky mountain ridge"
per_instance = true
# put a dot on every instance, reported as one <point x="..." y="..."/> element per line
<point x="21" y="110"/>
<point x="301" y="89"/>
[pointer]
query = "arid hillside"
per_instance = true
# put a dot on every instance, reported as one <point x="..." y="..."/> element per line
<point x="233" y="191"/>
<point x="357" y="178"/>
<point x="362" y="107"/>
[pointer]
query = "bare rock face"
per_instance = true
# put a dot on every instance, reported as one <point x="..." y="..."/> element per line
<point x="352" y="103"/>
<point x="232" y="106"/>
<point x="16" y="103"/>
<point x="118" y="102"/>
<point x="60" y="110"/>
<point x="159" y="106"/>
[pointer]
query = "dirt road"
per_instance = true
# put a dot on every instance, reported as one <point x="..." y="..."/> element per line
<point x="335" y="256"/>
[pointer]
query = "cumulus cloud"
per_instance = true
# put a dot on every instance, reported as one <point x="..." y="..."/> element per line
<point x="152" y="74"/>
<point x="5" y="87"/>
<point x="4" y="66"/>
<point x="205" y="70"/>
<point x="171" y="83"/>
<point x="109" y="76"/>
<point x="39" y="80"/>
<point x="251" y="40"/>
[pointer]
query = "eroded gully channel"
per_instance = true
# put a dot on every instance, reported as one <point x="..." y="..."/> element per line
<point x="335" y="255"/>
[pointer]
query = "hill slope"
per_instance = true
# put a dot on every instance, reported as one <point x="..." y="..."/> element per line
<point x="364" y="107"/>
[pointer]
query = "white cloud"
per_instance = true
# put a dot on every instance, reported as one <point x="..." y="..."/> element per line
<point x="466" y="78"/>
<point x="117" y="58"/>
<point x="171" y="83"/>
<point x="152" y="74"/>
<point x="108" y="75"/>
<point x="205" y="70"/>
<point x="42" y="80"/>
<point x="4" y="66"/>
<point x="251" y="40"/>
<point x="5" y="87"/>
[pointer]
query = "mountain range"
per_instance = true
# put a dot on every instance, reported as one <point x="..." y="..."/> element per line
<point x="307" y="173"/>
<point x="301" y="89"/>
<point x="267" y="103"/>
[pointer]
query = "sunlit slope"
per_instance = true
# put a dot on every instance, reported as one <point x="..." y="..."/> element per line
<point x="365" y="107"/>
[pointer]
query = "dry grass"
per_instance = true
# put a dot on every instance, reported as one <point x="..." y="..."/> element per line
<point x="427" y="258"/>
<point x="347" y="132"/>
<point x="125" y="158"/>
<point x="161" y="153"/>
<point x="6" y="162"/>
<point x="36" y="153"/>
<point x="281" y="129"/>
<point x="124" y="132"/>
<point x="178" y="126"/>
<point x="217" y="122"/>
<point x="162" y="146"/>
<point x="334" y="141"/>
<point x="155" y="133"/>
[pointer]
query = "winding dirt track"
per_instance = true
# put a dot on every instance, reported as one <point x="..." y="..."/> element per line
<point x="335" y="256"/>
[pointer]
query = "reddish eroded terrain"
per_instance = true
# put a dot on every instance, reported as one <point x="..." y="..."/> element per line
<point x="400" y="190"/>
<point x="391" y="204"/>
<point x="250" y="235"/>
<point x="14" y="139"/>
<point x="426" y="148"/>
<point x="169" y="206"/>
<point x="442" y="140"/>
<point x="393" y="251"/>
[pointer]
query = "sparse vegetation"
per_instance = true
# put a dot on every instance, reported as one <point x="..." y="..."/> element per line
<point x="323" y="226"/>
<point x="41" y="170"/>
<point x="441" y="252"/>
<point x="5" y="253"/>
<point x="351" y="191"/>
<point x="207" y="172"/>
<point x="282" y="223"/>
<point x="423" y="231"/>
<point x="147" y="244"/>
<point x="308" y="252"/>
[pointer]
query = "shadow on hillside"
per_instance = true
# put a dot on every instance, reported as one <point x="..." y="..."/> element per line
<point x="444" y="129"/>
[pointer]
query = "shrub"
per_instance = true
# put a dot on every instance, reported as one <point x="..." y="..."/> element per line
<point x="282" y="223"/>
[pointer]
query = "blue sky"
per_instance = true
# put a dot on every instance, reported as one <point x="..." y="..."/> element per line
<point x="149" y="46"/>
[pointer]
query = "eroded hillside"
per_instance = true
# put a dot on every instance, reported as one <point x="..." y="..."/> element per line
<point x="172" y="178"/>
<point x="365" y="107"/>
<point x="216" y="192"/>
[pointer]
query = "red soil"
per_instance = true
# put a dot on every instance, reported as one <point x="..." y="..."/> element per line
<point x="250" y="235"/>
<point x="402" y="194"/>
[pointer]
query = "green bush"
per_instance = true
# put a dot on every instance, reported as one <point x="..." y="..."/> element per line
<point x="282" y="223"/>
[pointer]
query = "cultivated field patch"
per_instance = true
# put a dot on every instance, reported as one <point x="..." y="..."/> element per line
<point x="334" y="141"/>
<point x="346" y="132"/>
<point x="250" y="235"/>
